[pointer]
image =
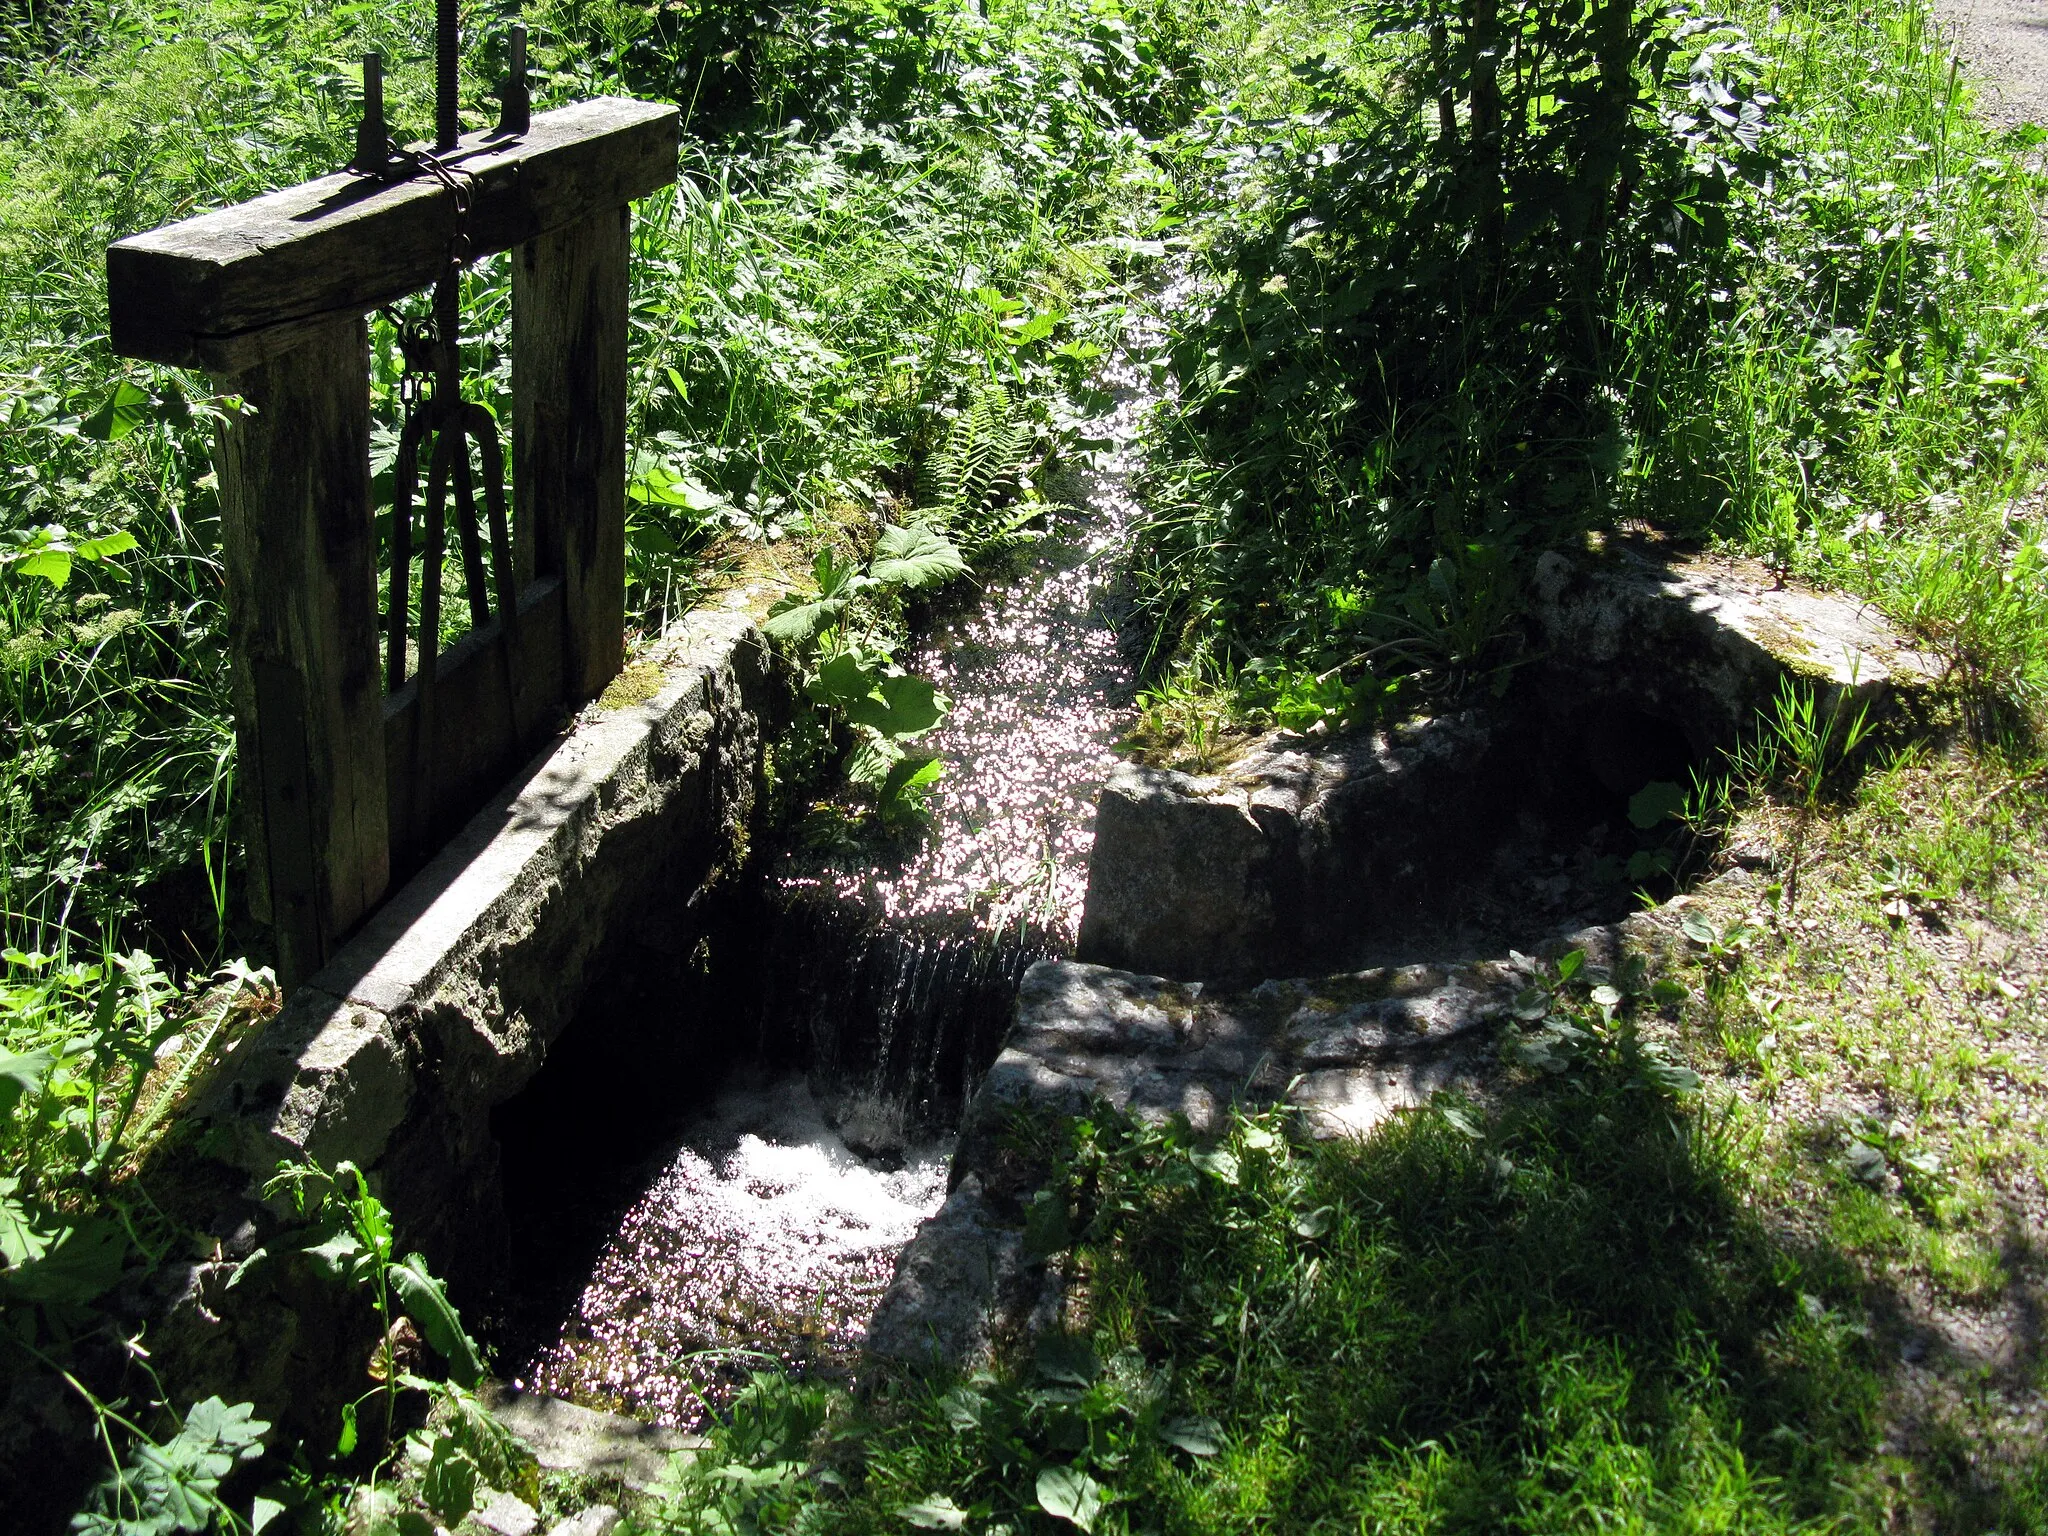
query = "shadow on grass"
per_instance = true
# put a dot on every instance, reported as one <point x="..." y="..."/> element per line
<point x="1560" y="1313"/>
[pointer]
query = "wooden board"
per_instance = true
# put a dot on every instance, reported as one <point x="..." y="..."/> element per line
<point x="227" y="290"/>
<point x="300" y="558"/>
<point x="569" y="432"/>
<point x="478" y="739"/>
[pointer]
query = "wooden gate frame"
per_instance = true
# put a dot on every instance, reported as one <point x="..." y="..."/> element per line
<point x="270" y="298"/>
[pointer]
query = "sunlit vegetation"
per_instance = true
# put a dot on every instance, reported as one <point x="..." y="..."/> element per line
<point x="1471" y="282"/>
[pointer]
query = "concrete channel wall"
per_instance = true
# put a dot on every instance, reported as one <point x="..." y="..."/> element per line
<point x="445" y="1004"/>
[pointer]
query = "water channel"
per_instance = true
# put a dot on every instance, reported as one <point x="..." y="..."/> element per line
<point x="859" y="1000"/>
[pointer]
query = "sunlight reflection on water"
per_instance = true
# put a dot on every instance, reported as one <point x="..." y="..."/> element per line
<point x="766" y="1233"/>
<point x="765" y="1242"/>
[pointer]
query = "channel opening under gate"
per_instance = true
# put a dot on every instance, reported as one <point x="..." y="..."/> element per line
<point x="717" y="1167"/>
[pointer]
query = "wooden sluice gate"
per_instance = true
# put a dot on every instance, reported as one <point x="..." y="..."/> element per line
<point x="362" y="742"/>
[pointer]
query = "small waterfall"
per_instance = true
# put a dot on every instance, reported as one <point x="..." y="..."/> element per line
<point x="876" y="990"/>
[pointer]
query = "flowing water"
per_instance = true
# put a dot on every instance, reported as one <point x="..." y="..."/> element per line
<point x="769" y="1228"/>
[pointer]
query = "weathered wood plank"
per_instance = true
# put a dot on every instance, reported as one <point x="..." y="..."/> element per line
<point x="569" y="432"/>
<point x="478" y="739"/>
<point x="227" y="290"/>
<point x="300" y="557"/>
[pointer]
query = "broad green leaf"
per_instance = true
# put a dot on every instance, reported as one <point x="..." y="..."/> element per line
<point x="1068" y="1494"/>
<point x="22" y="1237"/>
<point x="80" y="1264"/>
<point x="1698" y="929"/>
<point x="22" y="1072"/>
<point x="898" y="707"/>
<point x="427" y="1304"/>
<point x="1659" y="800"/>
<point x="835" y="577"/>
<point x="799" y="620"/>
<point x="1068" y="1358"/>
<point x="915" y="557"/>
<point x="847" y="681"/>
<point x="449" y="1487"/>
<point x="1461" y="1121"/>
<point x="1568" y="964"/>
<point x="125" y="408"/>
<point x="335" y="1257"/>
<point x="1048" y="1229"/>
<point x="1037" y="328"/>
<point x="909" y="777"/>
<point x="1313" y="1224"/>
<point x="101" y="548"/>
<point x="936" y="1513"/>
<point x="262" y="1512"/>
<point x="1196" y="1436"/>
<point x="53" y="565"/>
<point x="1220" y="1163"/>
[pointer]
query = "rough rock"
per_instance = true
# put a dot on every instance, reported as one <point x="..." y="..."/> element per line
<point x="506" y="1514"/>
<point x="1284" y="861"/>
<point x="1303" y="856"/>
<point x="1703" y="641"/>
<point x="597" y="1520"/>
<point x="565" y="1437"/>
<point x="1347" y="1051"/>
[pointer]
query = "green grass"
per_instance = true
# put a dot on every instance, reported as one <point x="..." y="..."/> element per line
<point x="1574" y="1312"/>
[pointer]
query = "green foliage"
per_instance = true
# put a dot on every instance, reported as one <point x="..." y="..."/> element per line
<point x="1807" y="317"/>
<point x="175" y="1486"/>
<point x="1415" y="376"/>
<point x="848" y="670"/>
<point x="1550" y="1312"/>
<point x="963" y="482"/>
<point x="79" y="1047"/>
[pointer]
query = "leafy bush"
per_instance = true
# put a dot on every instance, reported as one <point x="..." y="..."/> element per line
<point x="1416" y="373"/>
<point x="1508" y="273"/>
<point x="848" y="670"/>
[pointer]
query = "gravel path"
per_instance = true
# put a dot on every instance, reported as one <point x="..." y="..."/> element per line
<point x="2004" y="43"/>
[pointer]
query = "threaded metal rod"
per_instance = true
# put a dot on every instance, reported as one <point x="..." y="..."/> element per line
<point x="447" y="44"/>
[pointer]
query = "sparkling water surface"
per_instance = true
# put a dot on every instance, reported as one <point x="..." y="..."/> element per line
<point x="767" y="1240"/>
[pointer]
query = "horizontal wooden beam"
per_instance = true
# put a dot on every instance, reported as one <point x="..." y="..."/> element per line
<point x="228" y="290"/>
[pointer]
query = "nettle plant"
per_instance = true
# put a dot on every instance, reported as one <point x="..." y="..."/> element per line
<point x="848" y="669"/>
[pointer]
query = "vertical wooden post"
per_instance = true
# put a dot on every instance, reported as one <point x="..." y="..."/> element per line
<point x="300" y="553"/>
<point x="569" y="432"/>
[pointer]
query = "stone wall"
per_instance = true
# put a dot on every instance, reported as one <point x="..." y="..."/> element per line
<point x="446" y="1003"/>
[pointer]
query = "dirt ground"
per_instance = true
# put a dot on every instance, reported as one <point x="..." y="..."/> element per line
<point x="2004" y="46"/>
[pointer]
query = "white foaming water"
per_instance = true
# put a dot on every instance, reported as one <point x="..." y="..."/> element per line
<point x="765" y="1242"/>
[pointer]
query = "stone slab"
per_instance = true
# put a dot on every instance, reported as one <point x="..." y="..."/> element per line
<point x="565" y="1437"/>
<point x="444" y="1005"/>
<point x="1306" y="855"/>
<point x="1281" y="862"/>
<point x="1706" y="640"/>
